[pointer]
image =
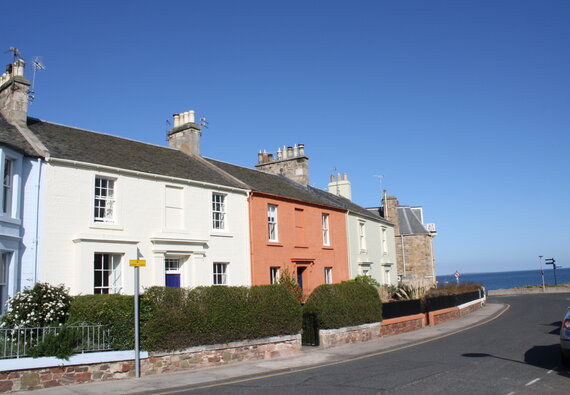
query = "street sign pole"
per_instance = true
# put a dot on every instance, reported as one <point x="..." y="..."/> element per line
<point x="136" y="263"/>
<point x="541" y="273"/>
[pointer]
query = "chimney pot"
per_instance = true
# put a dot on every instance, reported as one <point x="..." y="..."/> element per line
<point x="270" y="157"/>
<point x="301" y="149"/>
<point x="345" y="177"/>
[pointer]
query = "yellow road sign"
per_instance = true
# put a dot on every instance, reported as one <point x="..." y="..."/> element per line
<point x="137" y="262"/>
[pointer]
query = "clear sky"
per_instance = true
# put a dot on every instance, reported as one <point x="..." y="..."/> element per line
<point x="462" y="106"/>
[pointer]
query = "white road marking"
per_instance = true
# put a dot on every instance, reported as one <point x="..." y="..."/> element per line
<point x="550" y="371"/>
<point x="532" y="382"/>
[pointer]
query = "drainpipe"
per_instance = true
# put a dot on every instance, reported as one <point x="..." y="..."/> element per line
<point x="403" y="256"/>
<point x="39" y="161"/>
<point x="432" y="260"/>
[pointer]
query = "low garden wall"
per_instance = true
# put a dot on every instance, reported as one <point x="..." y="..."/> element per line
<point x="353" y="334"/>
<point x="197" y="357"/>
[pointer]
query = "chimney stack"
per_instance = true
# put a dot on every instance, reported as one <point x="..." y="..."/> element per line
<point x="14" y="88"/>
<point x="341" y="186"/>
<point x="288" y="161"/>
<point x="186" y="133"/>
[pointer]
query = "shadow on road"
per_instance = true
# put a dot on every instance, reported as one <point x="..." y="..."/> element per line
<point x="545" y="357"/>
<point x="556" y="330"/>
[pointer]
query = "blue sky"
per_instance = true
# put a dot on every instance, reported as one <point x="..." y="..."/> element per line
<point x="462" y="106"/>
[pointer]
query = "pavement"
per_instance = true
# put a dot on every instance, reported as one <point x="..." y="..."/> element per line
<point x="309" y="358"/>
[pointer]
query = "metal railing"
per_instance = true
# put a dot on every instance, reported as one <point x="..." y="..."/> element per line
<point x="17" y="342"/>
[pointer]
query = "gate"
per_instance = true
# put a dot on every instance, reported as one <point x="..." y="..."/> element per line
<point x="310" y="335"/>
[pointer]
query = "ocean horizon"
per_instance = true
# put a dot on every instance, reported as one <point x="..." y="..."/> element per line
<point x="510" y="279"/>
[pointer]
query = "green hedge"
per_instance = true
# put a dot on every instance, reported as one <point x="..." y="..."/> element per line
<point x="346" y="304"/>
<point x="179" y="318"/>
<point x="114" y="311"/>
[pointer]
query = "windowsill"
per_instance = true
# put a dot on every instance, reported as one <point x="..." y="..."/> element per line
<point x="221" y="234"/>
<point x="274" y="244"/>
<point x="363" y="251"/>
<point x="328" y="248"/>
<point x="10" y="220"/>
<point x="106" y="226"/>
<point x="301" y="246"/>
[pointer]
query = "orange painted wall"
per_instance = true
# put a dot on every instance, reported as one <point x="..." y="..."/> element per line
<point x="300" y="240"/>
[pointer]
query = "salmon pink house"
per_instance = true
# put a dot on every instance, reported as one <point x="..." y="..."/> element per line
<point x="293" y="227"/>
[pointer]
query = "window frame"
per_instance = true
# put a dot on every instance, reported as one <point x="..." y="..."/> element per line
<point x="5" y="258"/>
<point x="113" y="273"/>
<point x="325" y="222"/>
<point x="328" y="275"/>
<point x="110" y="202"/>
<point x="274" y="274"/>
<point x="219" y="220"/>
<point x="272" y="223"/>
<point x="362" y="235"/>
<point x="220" y="275"/>
<point x="7" y="185"/>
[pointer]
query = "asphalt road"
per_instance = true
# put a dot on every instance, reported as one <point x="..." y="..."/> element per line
<point x="518" y="353"/>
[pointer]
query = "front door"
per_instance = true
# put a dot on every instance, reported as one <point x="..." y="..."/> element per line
<point x="300" y="271"/>
<point x="172" y="272"/>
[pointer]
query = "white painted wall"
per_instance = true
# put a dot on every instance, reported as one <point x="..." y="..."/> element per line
<point x="382" y="261"/>
<point x="71" y="237"/>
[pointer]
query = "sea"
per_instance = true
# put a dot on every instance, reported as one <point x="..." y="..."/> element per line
<point x="505" y="280"/>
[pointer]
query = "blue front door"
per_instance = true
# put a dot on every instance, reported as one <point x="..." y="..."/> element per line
<point x="173" y="280"/>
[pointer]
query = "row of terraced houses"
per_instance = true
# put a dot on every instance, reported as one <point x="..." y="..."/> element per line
<point x="78" y="205"/>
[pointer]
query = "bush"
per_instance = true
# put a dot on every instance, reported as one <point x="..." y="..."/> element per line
<point x="454" y="289"/>
<point x="177" y="318"/>
<point x="116" y="312"/>
<point x="346" y="304"/>
<point x="61" y="344"/>
<point x="40" y="306"/>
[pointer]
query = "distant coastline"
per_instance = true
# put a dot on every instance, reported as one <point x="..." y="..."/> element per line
<point x="511" y="279"/>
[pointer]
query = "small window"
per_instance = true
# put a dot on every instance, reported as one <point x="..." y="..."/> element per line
<point x="362" y="235"/>
<point x="4" y="266"/>
<point x="326" y="236"/>
<point x="384" y="242"/>
<point x="272" y="222"/>
<point x="104" y="200"/>
<point x="7" y="186"/>
<point x="107" y="274"/>
<point x="218" y="211"/>
<point x="274" y="275"/>
<point x="328" y="275"/>
<point x="220" y="274"/>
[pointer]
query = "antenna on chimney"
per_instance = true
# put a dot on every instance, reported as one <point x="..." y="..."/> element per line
<point x="204" y="122"/>
<point x="335" y="171"/>
<point x="15" y="53"/>
<point x="37" y="65"/>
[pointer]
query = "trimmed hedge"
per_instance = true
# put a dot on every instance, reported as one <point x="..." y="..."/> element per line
<point x="349" y="303"/>
<point x="177" y="318"/>
<point x="116" y="312"/>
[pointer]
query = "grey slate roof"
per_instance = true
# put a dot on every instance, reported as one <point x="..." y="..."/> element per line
<point x="409" y="223"/>
<point x="265" y="182"/>
<point x="11" y="137"/>
<point x="64" y="142"/>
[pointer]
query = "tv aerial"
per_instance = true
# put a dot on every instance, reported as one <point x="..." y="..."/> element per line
<point x="15" y="53"/>
<point x="37" y="65"/>
<point x="204" y="122"/>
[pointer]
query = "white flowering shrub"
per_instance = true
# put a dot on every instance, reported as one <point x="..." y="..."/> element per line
<point x="42" y="305"/>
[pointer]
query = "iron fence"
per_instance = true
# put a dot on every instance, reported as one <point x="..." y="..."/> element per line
<point x="17" y="342"/>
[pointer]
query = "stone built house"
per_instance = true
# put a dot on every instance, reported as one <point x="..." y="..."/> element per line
<point x="82" y="204"/>
<point x="371" y="242"/>
<point x="414" y="240"/>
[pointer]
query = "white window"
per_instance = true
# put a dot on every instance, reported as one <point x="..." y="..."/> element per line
<point x="104" y="200"/>
<point x="7" y="186"/>
<point x="274" y="274"/>
<point x="365" y="269"/>
<point x="107" y="273"/>
<point x="218" y="211"/>
<point x="328" y="275"/>
<point x="384" y="242"/>
<point x="362" y="235"/>
<point x="272" y="222"/>
<point x="220" y="274"/>
<point x="326" y="237"/>
<point x="4" y="266"/>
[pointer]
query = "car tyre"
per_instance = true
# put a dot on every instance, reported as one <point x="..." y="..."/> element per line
<point x="565" y="360"/>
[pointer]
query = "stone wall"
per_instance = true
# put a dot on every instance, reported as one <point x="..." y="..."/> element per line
<point x="196" y="357"/>
<point x="418" y="256"/>
<point x="352" y="334"/>
<point x="394" y="326"/>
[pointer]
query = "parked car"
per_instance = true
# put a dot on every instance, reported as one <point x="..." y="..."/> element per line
<point x="565" y="339"/>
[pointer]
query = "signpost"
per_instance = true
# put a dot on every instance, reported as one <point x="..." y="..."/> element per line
<point x="457" y="275"/>
<point x="551" y="261"/>
<point x="136" y="263"/>
<point x="541" y="272"/>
